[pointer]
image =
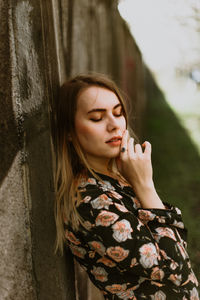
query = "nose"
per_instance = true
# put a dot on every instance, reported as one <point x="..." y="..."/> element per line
<point x="112" y="124"/>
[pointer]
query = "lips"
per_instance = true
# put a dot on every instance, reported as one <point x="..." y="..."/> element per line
<point x="114" y="139"/>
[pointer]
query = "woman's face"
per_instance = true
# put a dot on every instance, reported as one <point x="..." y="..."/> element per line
<point x="99" y="123"/>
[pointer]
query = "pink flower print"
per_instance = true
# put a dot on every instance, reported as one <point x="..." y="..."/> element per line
<point x="194" y="294"/>
<point x="84" y="182"/>
<point x="115" y="195"/>
<point x="100" y="274"/>
<point x="176" y="279"/>
<point x="182" y="250"/>
<point x="86" y="199"/>
<point x="178" y="224"/>
<point x="71" y="237"/>
<point x="116" y="288"/>
<point x="165" y="232"/>
<point x="120" y="207"/>
<point x="98" y="247"/>
<point x="178" y="211"/>
<point x="122" y="230"/>
<point x="117" y="253"/>
<point x="91" y="181"/>
<point x="106" y="186"/>
<point x="140" y="224"/>
<point x="107" y="262"/>
<point x="105" y="218"/>
<point x="136" y="203"/>
<point x="193" y="278"/>
<point x="161" y="219"/>
<point x="159" y="295"/>
<point x="78" y="251"/>
<point x="126" y="295"/>
<point x="149" y="255"/>
<point x="145" y="215"/>
<point x="157" y="274"/>
<point x="103" y="201"/>
<point x="173" y="265"/>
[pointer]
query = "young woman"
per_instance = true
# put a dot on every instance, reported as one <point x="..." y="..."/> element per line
<point x="132" y="245"/>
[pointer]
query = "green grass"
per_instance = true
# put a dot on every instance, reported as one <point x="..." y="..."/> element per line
<point x="176" y="165"/>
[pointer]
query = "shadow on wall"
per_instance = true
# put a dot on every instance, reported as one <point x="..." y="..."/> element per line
<point x="9" y="144"/>
<point x="176" y="164"/>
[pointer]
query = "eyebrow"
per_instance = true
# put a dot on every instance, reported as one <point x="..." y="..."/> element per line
<point x="103" y="109"/>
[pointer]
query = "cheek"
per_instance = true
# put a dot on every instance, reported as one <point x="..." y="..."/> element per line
<point x="83" y="131"/>
<point x="123" y="123"/>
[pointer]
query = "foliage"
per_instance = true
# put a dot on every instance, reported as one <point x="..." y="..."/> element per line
<point x="176" y="164"/>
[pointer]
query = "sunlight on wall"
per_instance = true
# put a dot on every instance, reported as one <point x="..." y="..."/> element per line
<point x="168" y="34"/>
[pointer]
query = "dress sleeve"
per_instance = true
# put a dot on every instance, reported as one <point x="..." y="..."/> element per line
<point x="158" y="218"/>
<point x="145" y="243"/>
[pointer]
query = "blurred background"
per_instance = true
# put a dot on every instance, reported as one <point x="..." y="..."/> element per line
<point x="168" y="35"/>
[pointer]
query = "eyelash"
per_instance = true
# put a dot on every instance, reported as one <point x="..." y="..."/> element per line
<point x="116" y="115"/>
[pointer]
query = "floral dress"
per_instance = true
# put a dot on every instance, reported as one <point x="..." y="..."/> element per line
<point x="130" y="252"/>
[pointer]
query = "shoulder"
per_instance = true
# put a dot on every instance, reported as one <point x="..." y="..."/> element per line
<point x="90" y="185"/>
<point x="102" y="188"/>
<point x="96" y="194"/>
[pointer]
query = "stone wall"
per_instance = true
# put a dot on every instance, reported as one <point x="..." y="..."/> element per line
<point x="43" y="42"/>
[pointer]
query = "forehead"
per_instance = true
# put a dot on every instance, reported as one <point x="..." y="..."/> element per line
<point x="96" y="97"/>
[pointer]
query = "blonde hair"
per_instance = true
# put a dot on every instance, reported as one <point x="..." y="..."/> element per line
<point x="71" y="163"/>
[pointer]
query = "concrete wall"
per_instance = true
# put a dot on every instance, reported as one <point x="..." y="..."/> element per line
<point x="41" y="44"/>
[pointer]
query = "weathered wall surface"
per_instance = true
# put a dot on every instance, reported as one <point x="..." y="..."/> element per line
<point x="41" y="44"/>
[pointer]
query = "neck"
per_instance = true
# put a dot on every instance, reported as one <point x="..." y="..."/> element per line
<point x="104" y="169"/>
<point x="100" y="166"/>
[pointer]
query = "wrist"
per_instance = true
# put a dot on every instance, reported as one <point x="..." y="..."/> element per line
<point x="149" y="198"/>
<point x="144" y="187"/>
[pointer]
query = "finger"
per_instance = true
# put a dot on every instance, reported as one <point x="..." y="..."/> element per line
<point x="138" y="149"/>
<point x="130" y="149"/>
<point x="147" y="149"/>
<point x="124" y="142"/>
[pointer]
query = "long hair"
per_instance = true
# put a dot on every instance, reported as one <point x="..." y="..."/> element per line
<point x="71" y="162"/>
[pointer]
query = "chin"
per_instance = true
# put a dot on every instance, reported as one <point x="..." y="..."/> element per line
<point x="114" y="154"/>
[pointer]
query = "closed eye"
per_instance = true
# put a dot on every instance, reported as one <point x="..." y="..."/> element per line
<point x="119" y="115"/>
<point x="119" y="112"/>
<point x="96" y="120"/>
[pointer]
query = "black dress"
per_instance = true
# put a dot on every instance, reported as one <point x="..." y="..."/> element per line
<point x="130" y="252"/>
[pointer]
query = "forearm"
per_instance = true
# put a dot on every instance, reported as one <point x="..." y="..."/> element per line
<point x="148" y="197"/>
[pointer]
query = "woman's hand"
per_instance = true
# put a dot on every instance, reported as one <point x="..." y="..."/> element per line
<point x="135" y="166"/>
